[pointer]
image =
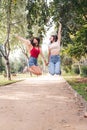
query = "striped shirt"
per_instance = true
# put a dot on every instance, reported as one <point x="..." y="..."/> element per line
<point x="54" y="48"/>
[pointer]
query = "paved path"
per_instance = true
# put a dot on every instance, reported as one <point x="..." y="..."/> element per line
<point x="42" y="103"/>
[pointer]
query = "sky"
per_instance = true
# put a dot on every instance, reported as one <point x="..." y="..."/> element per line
<point x="49" y="1"/>
<point x="47" y="36"/>
<point x="46" y="40"/>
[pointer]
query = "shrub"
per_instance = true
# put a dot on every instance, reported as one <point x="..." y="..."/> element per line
<point x="67" y="69"/>
<point x="84" y="71"/>
<point x="76" y="69"/>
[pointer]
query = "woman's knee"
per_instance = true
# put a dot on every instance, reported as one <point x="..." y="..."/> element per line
<point x="39" y="73"/>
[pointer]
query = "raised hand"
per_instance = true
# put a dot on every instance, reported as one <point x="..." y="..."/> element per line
<point x="59" y="23"/>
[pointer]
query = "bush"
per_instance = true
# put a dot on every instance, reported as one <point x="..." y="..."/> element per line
<point x="76" y="69"/>
<point x="66" y="69"/>
<point x="84" y="71"/>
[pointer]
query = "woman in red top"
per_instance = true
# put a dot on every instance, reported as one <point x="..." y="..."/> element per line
<point x="33" y="48"/>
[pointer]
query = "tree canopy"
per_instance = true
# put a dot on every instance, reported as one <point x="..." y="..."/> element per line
<point x="29" y="18"/>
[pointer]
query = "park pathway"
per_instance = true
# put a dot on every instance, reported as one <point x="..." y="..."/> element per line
<point x="41" y="103"/>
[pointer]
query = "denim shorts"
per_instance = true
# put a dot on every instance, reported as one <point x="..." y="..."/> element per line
<point x="54" y="65"/>
<point x="32" y="61"/>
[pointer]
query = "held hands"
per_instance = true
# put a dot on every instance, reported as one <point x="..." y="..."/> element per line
<point x="46" y="63"/>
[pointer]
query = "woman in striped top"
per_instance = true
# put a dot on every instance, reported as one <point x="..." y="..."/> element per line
<point x="54" y="53"/>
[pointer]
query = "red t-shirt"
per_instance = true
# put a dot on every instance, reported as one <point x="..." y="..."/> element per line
<point x="34" y="52"/>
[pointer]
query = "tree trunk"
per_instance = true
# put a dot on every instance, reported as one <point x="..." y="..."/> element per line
<point x="8" y="69"/>
<point x="7" y="44"/>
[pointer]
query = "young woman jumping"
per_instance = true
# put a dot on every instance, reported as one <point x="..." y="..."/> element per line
<point x="33" y="47"/>
<point x="54" y="53"/>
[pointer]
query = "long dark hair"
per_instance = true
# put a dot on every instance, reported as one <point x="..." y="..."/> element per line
<point x="55" y="37"/>
<point x="32" y="42"/>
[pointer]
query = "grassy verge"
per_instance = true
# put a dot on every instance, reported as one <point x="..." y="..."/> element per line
<point x="79" y="84"/>
<point x="18" y="77"/>
<point x="6" y="82"/>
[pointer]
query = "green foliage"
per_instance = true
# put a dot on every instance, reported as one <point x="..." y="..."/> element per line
<point x="67" y="69"/>
<point x="72" y="15"/>
<point x="38" y="14"/>
<point x="2" y="66"/>
<point x="66" y="63"/>
<point x="79" y="47"/>
<point x="78" y="85"/>
<point x="84" y="71"/>
<point x="17" y="19"/>
<point x="77" y="51"/>
<point x="19" y="65"/>
<point x="9" y="24"/>
<point x="80" y="88"/>
<point x="75" y="69"/>
<point x="66" y="60"/>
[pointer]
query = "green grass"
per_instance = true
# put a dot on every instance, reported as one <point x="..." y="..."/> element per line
<point x="18" y="77"/>
<point x="80" y="87"/>
<point x="4" y="81"/>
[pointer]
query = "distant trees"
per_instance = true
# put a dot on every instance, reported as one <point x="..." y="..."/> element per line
<point x="23" y="17"/>
<point x="9" y="21"/>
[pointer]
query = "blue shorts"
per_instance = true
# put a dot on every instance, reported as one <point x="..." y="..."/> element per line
<point x="32" y="61"/>
<point x="54" y="65"/>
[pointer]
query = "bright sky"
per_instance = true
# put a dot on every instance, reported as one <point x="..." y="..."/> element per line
<point x="49" y="1"/>
<point x="46" y="41"/>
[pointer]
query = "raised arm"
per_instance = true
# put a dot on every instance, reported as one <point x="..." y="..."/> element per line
<point x="25" y="41"/>
<point x="59" y="32"/>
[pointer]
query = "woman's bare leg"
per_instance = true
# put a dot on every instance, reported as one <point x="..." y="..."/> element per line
<point x="35" y="70"/>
